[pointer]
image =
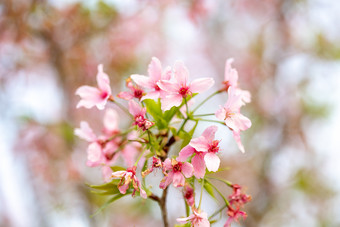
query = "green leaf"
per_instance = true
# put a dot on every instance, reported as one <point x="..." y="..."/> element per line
<point x="209" y="189"/>
<point x="186" y="138"/>
<point x="106" y="186"/>
<point x="111" y="191"/>
<point x="169" y="114"/>
<point x="113" y="199"/>
<point x="228" y="183"/>
<point x="154" y="108"/>
<point x="117" y="168"/>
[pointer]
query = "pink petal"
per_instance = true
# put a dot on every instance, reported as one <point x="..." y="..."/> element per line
<point x="200" y="143"/>
<point x="237" y="138"/>
<point x="181" y="73"/>
<point x="178" y="179"/>
<point x="90" y="96"/>
<point x="129" y="154"/>
<point x="212" y="161"/>
<point x="151" y="95"/>
<point x="209" y="133"/>
<point x="166" y="180"/>
<point x="185" y="220"/>
<point x="123" y="188"/>
<point x="135" y="109"/>
<point x="199" y="165"/>
<point x="167" y="164"/>
<point x="125" y="95"/>
<point x="85" y="132"/>
<point x="230" y="74"/>
<point x="201" y="85"/>
<point x="167" y="73"/>
<point x="168" y="86"/>
<point x="94" y="153"/>
<point x="221" y="113"/>
<point x="107" y="173"/>
<point x="245" y="95"/>
<point x="103" y="80"/>
<point x="155" y="69"/>
<point x="203" y="223"/>
<point x="238" y="122"/>
<point x="142" y="81"/>
<point x="141" y="191"/>
<point x="234" y="101"/>
<point x="185" y="153"/>
<point x="171" y="100"/>
<point x="111" y="120"/>
<point x="118" y="174"/>
<point x="187" y="169"/>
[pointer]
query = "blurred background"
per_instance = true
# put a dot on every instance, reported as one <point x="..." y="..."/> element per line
<point x="287" y="53"/>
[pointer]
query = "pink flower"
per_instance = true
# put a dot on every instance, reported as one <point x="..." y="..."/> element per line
<point x="91" y="96"/>
<point x="85" y="132"/>
<point x="230" y="114"/>
<point x="155" y="75"/>
<point x="110" y="121"/>
<point x="236" y="201"/>
<point x="178" y="88"/>
<point x="205" y="149"/>
<point x="230" y="80"/>
<point x="156" y="163"/>
<point x="136" y="92"/>
<point x="197" y="219"/>
<point x="139" y="115"/>
<point x="176" y="171"/>
<point x="127" y="177"/>
<point x="234" y="215"/>
<point x="189" y="195"/>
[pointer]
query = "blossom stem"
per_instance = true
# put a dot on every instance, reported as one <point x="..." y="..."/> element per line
<point x="217" y="212"/>
<point x="204" y="115"/>
<point x="162" y="204"/>
<point x="205" y="100"/>
<point x="222" y="180"/>
<point x="201" y="196"/>
<point x="186" y="106"/>
<point x="218" y="191"/>
<point x="121" y="107"/>
<point x="141" y="154"/>
<point x="208" y="120"/>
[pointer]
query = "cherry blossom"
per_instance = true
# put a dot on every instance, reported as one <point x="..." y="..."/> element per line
<point x="176" y="171"/>
<point x="189" y="195"/>
<point x="127" y="177"/>
<point x="230" y="114"/>
<point x="139" y="115"/>
<point x="197" y="219"/>
<point x="178" y="87"/>
<point x="230" y="80"/>
<point x="156" y="74"/>
<point x="135" y="91"/>
<point x="156" y="163"/>
<point x="92" y="96"/>
<point x="236" y="202"/>
<point x="205" y="149"/>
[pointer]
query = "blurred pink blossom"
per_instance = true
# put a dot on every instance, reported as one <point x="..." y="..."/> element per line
<point x="91" y="96"/>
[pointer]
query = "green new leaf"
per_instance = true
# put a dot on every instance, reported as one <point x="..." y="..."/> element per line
<point x="169" y="114"/>
<point x="117" y="168"/>
<point x="106" y="186"/>
<point x="209" y="189"/>
<point x="154" y="108"/>
<point x="187" y="136"/>
<point x="113" y="199"/>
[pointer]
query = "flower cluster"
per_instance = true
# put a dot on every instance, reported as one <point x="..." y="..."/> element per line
<point x="154" y="104"/>
<point x="236" y="202"/>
